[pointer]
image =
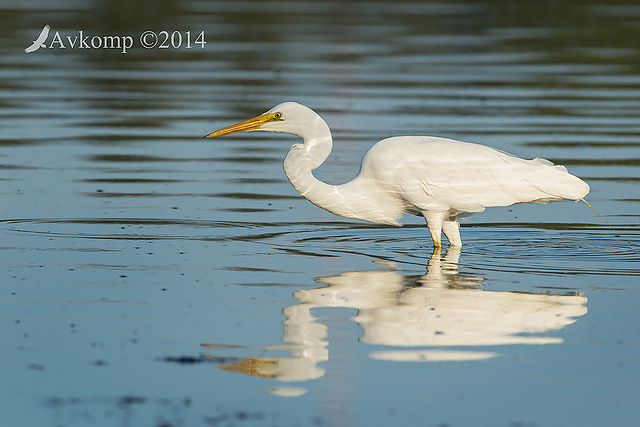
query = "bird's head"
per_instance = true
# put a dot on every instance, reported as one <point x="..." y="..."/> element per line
<point x="288" y="117"/>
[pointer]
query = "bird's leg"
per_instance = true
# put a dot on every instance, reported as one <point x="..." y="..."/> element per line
<point x="451" y="229"/>
<point x="434" y="222"/>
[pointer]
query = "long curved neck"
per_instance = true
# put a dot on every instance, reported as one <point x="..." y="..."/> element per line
<point x="356" y="199"/>
<point x="302" y="159"/>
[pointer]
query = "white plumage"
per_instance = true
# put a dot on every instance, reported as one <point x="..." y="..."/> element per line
<point x="437" y="178"/>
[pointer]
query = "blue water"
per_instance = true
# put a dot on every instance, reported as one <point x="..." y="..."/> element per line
<point x="150" y="277"/>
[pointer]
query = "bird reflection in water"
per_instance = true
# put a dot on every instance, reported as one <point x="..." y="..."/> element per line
<point x="434" y="317"/>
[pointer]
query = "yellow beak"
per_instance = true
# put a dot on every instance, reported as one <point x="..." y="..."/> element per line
<point x="247" y="125"/>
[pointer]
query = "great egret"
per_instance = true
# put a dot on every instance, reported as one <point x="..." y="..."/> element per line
<point x="437" y="178"/>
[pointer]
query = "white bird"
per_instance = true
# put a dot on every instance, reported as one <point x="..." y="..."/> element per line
<point x="434" y="177"/>
<point x="39" y="42"/>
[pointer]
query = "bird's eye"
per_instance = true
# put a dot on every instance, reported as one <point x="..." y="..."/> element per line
<point x="277" y="115"/>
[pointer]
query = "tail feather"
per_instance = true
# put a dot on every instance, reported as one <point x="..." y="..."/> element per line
<point x="598" y="213"/>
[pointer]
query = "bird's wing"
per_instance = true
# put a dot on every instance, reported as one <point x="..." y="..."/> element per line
<point x="437" y="174"/>
<point x="34" y="46"/>
<point x="43" y="35"/>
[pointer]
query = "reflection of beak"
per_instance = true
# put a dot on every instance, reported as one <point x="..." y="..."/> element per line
<point x="247" y="125"/>
<point x="258" y="367"/>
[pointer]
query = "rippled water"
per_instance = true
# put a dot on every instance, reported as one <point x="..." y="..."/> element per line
<point x="153" y="278"/>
